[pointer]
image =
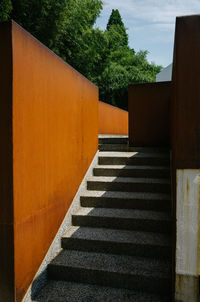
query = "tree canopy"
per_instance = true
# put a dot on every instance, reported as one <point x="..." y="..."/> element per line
<point x="68" y="28"/>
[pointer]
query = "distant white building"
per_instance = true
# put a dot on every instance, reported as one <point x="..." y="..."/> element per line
<point x="165" y="74"/>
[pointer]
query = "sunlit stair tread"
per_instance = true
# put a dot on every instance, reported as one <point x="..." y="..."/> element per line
<point x="123" y="213"/>
<point x="119" y="236"/>
<point x="129" y="179"/>
<point x="127" y="195"/>
<point x="134" y="154"/>
<point x="131" y="167"/>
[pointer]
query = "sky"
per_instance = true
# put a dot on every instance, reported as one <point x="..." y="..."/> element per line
<point x="150" y="24"/>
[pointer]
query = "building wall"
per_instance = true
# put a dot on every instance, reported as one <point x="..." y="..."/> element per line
<point x="165" y="74"/>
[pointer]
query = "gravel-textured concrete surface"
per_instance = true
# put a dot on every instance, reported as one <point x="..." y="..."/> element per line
<point x="120" y="236"/>
<point x="114" y="263"/>
<point x="129" y="184"/>
<point x="128" y="195"/>
<point x="112" y="136"/>
<point x="126" y="200"/>
<point x="123" y="213"/>
<point x="134" y="154"/>
<point x="113" y="139"/>
<point x="126" y="148"/>
<point x="129" y="167"/>
<point x="61" y="291"/>
<point x="130" y="180"/>
<point x="133" y="158"/>
<point x="132" y="171"/>
<point x="126" y="245"/>
<point x="124" y="219"/>
<point x="122" y="242"/>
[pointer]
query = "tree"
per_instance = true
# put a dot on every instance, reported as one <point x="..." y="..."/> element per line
<point x="115" y="19"/>
<point x="116" y="25"/>
<point x="59" y="24"/>
<point x="124" y="67"/>
<point x="42" y="18"/>
<point x="77" y="31"/>
<point x="5" y="10"/>
<point x="67" y="28"/>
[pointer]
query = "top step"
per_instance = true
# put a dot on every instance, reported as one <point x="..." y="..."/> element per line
<point x="108" y="142"/>
<point x="113" y="139"/>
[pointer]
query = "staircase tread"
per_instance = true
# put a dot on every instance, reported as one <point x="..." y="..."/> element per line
<point x="147" y="267"/>
<point x="63" y="291"/>
<point x="133" y="154"/>
<point x="119" y="236"/>
<point x="112" y="136"/>
<point x="123" y="213"/>
<point x="117" y="179"/>
<point x="130" y="167"/>
<point x="127" y="195"/>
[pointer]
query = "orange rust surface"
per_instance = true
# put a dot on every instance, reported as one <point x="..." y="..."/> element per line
<point x="112" y="120"/>
<point x="149" y="114"/>
<point x="55" y="136"/>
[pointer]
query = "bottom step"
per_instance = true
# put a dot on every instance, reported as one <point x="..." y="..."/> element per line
<point x="61" y="291"/>
<point x="135" y="273"/>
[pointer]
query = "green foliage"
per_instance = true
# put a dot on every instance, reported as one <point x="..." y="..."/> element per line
<point x="124" y="67"/>
<point x="115" y="19"/>
<point x="67" y="27"/>
<point x="77" y="32"/>
<point x="116" y="30"/>
<point x="5" y="10"/>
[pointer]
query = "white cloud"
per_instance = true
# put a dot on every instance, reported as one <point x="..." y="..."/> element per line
<point x="163" y="11"/>
<point x="150" y="23"/>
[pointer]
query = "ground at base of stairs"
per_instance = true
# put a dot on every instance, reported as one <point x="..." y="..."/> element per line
<point x="61" y="291"/>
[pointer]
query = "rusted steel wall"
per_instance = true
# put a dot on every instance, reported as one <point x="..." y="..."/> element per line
<point x="185" y="137"/>
<point x="149" y="114"/>
<point x="186" y="102"/>
<point x="112" y="120"/>
<point x="55" y="136"/>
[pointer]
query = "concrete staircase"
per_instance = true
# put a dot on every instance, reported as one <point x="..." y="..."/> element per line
<point x="119" y="245"/>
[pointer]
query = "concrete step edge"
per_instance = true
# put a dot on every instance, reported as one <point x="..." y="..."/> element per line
<point x="117" y="236"/>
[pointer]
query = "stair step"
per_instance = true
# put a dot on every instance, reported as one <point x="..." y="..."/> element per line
<point x="112" y="270"/>
<point x="126" y="200"/>
<point x="129" y="184"/>
<point x="134" y="158"/>
<point x="127" y="148"/>
<point x="62" y="291"/>
<point x="117" y="242"/>
<point x="127" y="219"/>
<point x="113" y="139"/>
<point x="131" y="171"/>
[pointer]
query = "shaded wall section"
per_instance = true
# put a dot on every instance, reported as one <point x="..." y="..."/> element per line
<point x="112" y="120"/>
<point x="6" y="185"/>
<point x="149" y="114"/>
<point x="186" y="99"/>
<point x="185" y="137"/>
<point x="55" y="137"/>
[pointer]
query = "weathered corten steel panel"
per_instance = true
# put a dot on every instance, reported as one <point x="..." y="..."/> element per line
<point x="112" y="120"/>
<point x="185" y="139"/>
<point x="55" y="137"/>
<point x="186" y="100"/>
<point x="6" y="191"/>
<point x="149" y="114"/>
